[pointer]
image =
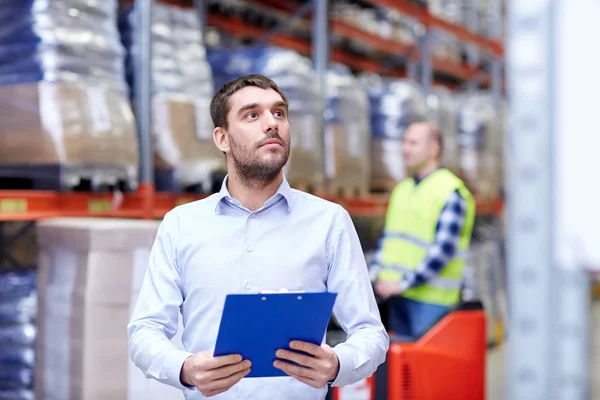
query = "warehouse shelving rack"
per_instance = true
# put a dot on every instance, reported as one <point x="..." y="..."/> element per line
<point x="145" y="203"/>
<point x="401" y="60"/>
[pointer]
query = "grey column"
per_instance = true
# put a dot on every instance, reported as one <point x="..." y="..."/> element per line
<point x="320" y="56"/>
<point x="143" y="90"/>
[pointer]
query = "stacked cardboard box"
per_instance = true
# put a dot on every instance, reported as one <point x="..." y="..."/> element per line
<point x="90" y="272"/>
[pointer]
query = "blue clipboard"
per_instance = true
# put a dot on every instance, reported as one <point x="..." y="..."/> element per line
<point x="257" y="325"/>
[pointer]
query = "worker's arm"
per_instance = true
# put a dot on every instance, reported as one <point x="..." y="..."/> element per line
<point x="155" y="318"/>
<point x="355" y="307"/>
<point x="443" y="248"/>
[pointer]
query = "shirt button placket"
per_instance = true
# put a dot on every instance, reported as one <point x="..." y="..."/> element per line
<point x="249" y="249"/>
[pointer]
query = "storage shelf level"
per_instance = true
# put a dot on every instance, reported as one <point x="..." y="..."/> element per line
<point x="34" y="205"/>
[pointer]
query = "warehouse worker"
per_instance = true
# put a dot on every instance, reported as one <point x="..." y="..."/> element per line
<point x="256" y="234"/>
<point x="419" y="265"/>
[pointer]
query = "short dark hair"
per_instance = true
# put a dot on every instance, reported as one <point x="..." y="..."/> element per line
<point x="220" y="107"/>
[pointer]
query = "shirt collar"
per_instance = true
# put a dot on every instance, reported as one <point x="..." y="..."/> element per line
<point x="418" y="180"/>
<point x="284" y="191"/>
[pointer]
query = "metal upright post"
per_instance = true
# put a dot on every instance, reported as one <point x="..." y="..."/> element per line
<point x="320" y="55"/>
<point x="201" y="9"/>
<point x="496" y="67"/>
<point x="548" y="339"/>
<point x="529" y="205"/>
<point x="472" y="23"/>
<point x="426" y="62"/>
<point x="143" y="101"/>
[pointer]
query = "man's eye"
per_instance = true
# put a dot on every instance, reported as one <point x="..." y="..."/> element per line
<point x="251" y="115"/>
<point x="278" y="113"/>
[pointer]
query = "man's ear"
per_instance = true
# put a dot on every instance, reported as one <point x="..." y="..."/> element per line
<point x="221" y="139"/>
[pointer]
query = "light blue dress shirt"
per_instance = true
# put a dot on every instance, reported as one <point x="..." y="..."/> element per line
<point x="207" y="249"/>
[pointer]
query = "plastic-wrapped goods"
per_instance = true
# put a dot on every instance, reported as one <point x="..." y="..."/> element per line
<point x="395" y="104"/>
<point x="15" y="378"/>
<point x="446" y="46"/>
<point x="480" y="143"/>
<point x="63" y="90"/>
<point x="442" y="110"/>
<point x="17" y="394"/>
<point x="17" y="355"/>
<point x="90" y="273"/>
<point x="18" y="333"/>
<point x="347" y="131"/>
<point x="294" y="75"/>
<point x="182" y="88"/>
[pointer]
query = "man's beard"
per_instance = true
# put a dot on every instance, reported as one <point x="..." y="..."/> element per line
<point x="252" y="171"/>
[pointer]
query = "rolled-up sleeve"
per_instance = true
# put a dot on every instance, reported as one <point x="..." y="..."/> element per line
<point x="355" y="309"/>
<point x="156" y="315"/>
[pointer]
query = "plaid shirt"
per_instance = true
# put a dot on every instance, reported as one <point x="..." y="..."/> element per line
<point x="448" y="230"/>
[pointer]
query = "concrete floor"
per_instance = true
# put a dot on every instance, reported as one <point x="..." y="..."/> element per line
<point x="495" y="364"/>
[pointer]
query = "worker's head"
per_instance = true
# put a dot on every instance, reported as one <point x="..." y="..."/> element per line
<point x="250" y="115"/>
<point x="422" y="147"/>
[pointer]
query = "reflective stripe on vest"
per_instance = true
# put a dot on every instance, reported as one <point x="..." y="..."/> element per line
<point x="459" y="254"/>
<point x="435" y="281"/>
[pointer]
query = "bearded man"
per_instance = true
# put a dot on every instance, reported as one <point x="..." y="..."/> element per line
<point x="256" y="234"/>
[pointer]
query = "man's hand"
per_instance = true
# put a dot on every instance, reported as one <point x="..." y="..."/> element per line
<point x="315" y="371"/>
<point x="213" y="375"/>
<point x="388" y="289"/>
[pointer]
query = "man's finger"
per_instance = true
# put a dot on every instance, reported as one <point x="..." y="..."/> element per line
<point x="291" y="369"/>
<point x="306" y="347"/>
<point x="228" y="370"/>
<point x="309" y="382"/>
<point x="226" y="383"/>
<point x="298" y="358"/>
<point x="218" y="362"/>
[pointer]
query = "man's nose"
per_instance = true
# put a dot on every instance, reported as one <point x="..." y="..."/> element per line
<point x="270" y="123"/>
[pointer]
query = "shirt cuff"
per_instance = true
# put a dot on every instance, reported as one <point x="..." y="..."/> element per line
<point x="346" y="368"/>
<point x="405" y="284"/>
<point x="173" y="365"/>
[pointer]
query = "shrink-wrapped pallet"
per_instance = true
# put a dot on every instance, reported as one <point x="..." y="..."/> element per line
<point x="347" y="132"/>
<point x="480" y="143"/>
<point x="295" y="77"/>
<point x="395" y="104"/>
<point x="444" y="45"/>
<point x="182" y="88"/>
<point x="63" y="92"/>
<point x="443" y="111"/>
<point x="90" y="273"/>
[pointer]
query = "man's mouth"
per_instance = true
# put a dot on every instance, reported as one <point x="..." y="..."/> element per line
<point x="271" y="142"/>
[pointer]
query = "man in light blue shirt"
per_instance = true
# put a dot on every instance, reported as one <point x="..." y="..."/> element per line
<point x="256" y="234"/>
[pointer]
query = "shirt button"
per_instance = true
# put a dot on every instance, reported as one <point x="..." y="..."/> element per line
<point x="250" y="248"/>
<point x="248" y="286"/>
<point x="253" y="215"/>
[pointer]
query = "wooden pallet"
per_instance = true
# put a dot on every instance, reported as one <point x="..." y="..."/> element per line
<point x="53" y="177"/>
<point x="308" y="187"/>
<point x="348" y="192"/>
<point x="382" y="185"/>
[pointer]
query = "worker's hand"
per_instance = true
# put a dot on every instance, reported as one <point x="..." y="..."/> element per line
<point x="213" y="375"/>
<point x="388" y="289"/>
<point x="316" y="369"/>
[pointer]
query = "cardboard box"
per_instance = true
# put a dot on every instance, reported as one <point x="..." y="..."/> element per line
<point x="59" y="123"/>
<point x="90" y="272"/>
<point x="348" y="156"/>
<point x="183" y="138"/>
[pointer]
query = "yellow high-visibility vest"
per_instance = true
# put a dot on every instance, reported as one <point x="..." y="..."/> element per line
<point x="410" y="228"/>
